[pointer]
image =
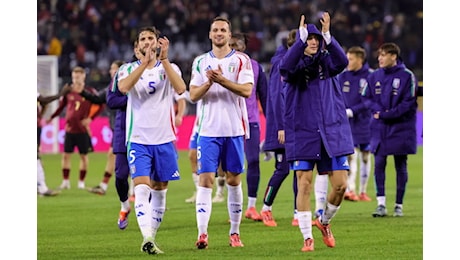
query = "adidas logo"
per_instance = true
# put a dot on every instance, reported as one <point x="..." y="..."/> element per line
<point x="176" y="174"/>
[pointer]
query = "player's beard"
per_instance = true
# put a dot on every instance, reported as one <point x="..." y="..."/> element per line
<point x="220" y="43"/>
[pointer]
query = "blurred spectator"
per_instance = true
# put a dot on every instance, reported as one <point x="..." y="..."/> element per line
<point x="92" y="31"/>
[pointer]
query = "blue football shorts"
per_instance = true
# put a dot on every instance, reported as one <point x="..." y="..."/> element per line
<point x="157" y="161"/>
<point x="325" y="164"/>
<point x="229" y="151"/>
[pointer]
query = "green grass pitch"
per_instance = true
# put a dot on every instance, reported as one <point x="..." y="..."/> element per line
<point x="80" y="225"/>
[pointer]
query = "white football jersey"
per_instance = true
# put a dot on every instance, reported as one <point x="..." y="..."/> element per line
<point x="223" y="113"/>
<point x="150" y="108"/>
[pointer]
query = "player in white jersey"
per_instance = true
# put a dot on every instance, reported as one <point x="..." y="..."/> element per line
<point x="221" y="78"/>
<point x="150" y="84"/>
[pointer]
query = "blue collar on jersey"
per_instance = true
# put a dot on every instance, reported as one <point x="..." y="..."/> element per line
<point x="226" y="56"/>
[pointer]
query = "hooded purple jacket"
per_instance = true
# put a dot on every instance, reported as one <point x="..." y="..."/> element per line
<point x="352" y="84"/>
<point x="315" y="110"/>
<point x="275" y="103"/>
<point x="393" y="92"/>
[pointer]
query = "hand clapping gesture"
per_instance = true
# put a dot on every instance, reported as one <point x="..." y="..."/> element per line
<point x="163" y="44"/>
<point x="326" y="22"/>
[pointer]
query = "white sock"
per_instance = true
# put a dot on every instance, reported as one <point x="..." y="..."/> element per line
<point x="143" y="209"/>
<point x="41" y="184"/>
<point x="304" y="218"/>
<point x="125" y="206"/>
<point x="203" y="206"/>
<point x="365" y="169"/>
<point x="321" y="185"/>
<point x="381" y="200"/>
<point x="103" y="186"/>
<point x="353" y="162"/>
<point x="251" y="202"/>
<point x="265" y="208"/>
<point x="329" y="213"/>
<point x="158" y="203"/>
<point x="235" y="207"/>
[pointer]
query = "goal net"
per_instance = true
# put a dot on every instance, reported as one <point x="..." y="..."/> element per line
<point x="47" y="84"/>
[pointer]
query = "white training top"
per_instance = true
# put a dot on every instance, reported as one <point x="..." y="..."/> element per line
<point x="150" y="108"/>
<point x="223" y="113"/>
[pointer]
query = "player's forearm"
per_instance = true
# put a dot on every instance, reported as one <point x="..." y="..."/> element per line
<point x="176" y="80"/>
<point x="95" y="99"/>
<point x="181" y="107"/>
<point x="244" y="90"/>
<point x="126" y="84"/>
<point x="197" y="92"/>
<point x="46" y="100"/>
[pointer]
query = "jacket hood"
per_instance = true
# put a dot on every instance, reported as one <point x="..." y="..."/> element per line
<point x="311" y="28"/>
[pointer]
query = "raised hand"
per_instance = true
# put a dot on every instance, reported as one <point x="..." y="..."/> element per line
<point x="326" y="22"/>
<point x="303" y="33"/>
<point x="163" y="44"/>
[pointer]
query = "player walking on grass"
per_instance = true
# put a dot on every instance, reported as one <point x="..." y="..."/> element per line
<point x="222" y="78"/>
<point x="353" y="80"/>
<point x="150" y="84"/>
<point x="316" y="125"/>
<point x="392" y="98"/>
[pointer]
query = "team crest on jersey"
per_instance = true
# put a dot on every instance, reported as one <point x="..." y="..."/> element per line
<point x="362" y="85"/>
<point x="231" y="67"/>
<point x="396" y="83"/>
<point x="162" y="75"/>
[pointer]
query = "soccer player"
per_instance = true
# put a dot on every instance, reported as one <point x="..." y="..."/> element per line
<point x="317" y="131"/>
<point x="150" y="84"/>
<point x="101" y="98"/>
<point x="78" y="119"/>
<point x="391" y="95"/>
<point x="274" y="134"/>
<point x="352" y="81"/>
<point x="239" y="42"/>
<point x="42" y="102"/>
<point x="222" y="78"/>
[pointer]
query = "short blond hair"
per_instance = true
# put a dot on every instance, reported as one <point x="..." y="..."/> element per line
<point x="79" y="69"/>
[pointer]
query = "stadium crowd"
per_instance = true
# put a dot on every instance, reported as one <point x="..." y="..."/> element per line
<point x="92" y="33"/>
